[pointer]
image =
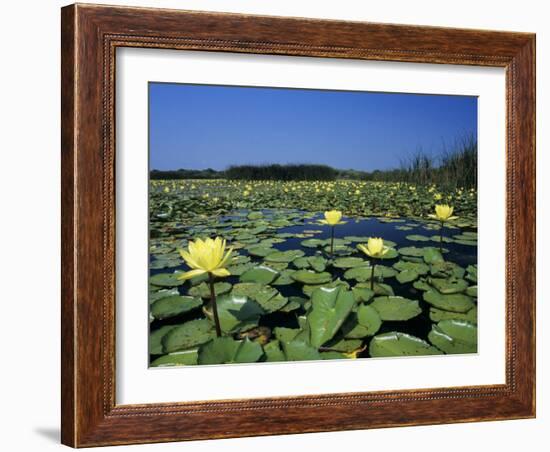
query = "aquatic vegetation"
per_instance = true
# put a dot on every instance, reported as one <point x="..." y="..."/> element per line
<point x="263" y="277"/>
<point x="207" y="257"/>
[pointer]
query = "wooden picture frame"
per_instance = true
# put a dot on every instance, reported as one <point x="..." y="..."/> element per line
<point x="90" y="36"/>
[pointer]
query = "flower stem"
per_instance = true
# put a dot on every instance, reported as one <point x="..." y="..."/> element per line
<point x="331" y="240"/>
<point x="441" y="238"/>
<point x="214" y="305"/>
<point x="372" y="275"/>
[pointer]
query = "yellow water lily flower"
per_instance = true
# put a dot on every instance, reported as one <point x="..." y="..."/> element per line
<point x="332" y="218"/>
<point x="353" y="354"/>
<point x="375" y="247"/>
<point x="443" y="212"/>
<point x="438" y="196"/>
<point x="206" y="256"/>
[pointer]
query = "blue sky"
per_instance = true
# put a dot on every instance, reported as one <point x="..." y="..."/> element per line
<point x="204" y="126"/>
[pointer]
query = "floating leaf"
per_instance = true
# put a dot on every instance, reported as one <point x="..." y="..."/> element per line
<point x="203" y="289"/>
<point x="172" y="306"/>
<point x="432" y="255"/>
<point x="260" y="274"/>
<point x="407" y="276"/>
<point x="396" y="308"/>
<point x="329" y="309"/>
<point x="284" y="256"/>
<point x="190" y="334"/>
<point x="226" y="350"/>
<point x="309" y="277"/>
<point x="454" y="302"/>
<point x="299" y="350"/>
<point x="237" y="312"/>
<point x="418" y="238"/>
<point x="449" y="285"/>
<point x="454" y="336"/>
<point x="155" y="339"/>
<point x="399" y="344"/>
<point x="348" y="262"/>
<point x="436" y="315"/>
<point x="183" y="358"/>
<point x="166" y="280"/>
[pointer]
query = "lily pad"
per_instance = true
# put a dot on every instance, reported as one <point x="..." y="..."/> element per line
<point x="166" y="280"/>
<point x="454" y="302"/>
<point x="436" y="315"/>
<point x="329" y="309"/>
<point x="348" y="262"/>
<point x="284" y="256"/>
<point x="203" y="289"/>
<point x="183" y="358"/>
<point x="260" y="274"/>
<point x="155" y="339"/>
<point x="400" y="344"/>
<point x="190" y="334"/>
<point x="238" y="312"/>
<point x="308" y="277"/>
<point x="299" y="350"/>
<point x="454" y="336"/>
<point x="396" y="308"/>
<point x="407" y="276"/>
<point x="418" y="238"/>
<point x="172" y="306"/>
<point x="363" y="273"/>
<point x="226" y="350"/>
<point x="449" y="285"/>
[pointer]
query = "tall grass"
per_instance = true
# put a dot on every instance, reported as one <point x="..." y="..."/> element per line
<point x="453" y="167"/>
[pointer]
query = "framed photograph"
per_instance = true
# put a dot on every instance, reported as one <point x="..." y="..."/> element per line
<point x="282" y="225"/>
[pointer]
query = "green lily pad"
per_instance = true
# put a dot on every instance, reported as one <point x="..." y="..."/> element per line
<point x="238" y="312"/>
<point x="329" y="309"/>
<point x="318" y="263"/>
<point x="362" y="294"/>
<point x="472" y="291"/>
<point x="454" y="336"/>
<point x="363" y="273"/>
<point x="369" y="319"/>
<point x="163" y="293"/>
<point x="155" y="339"/>
<point x="260" y="274"/>
<point x="190" y="334"/>
<point x="284" y="256"/>
<point x="203" y="289"/>
<point x="407" y="276"/>
<point x="454" y="302"/>
<point x="183" y="358"/>
<point x="166" y="280"/>
<point x="400" y="344"/>
<point x="449" y="285"/>
<point x="226" y="350"/>
<point x="309" y="289"/>
<point x="436" y="315"/>
<point x="284" y="278"/>
<point x="432" y="255"/>
<point x="260" y="250"/>
<point x="396" y="308"/>
<point x="418" y="238"/>
<point x="273" y="352"/>
<point x="299" y="350"/>
<point x="417" y="267"/>
<point x="308" y="277"/>
<point x="411" y="251"/>
<point x="348" y="262"/>
<point x="172" y="306"/>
